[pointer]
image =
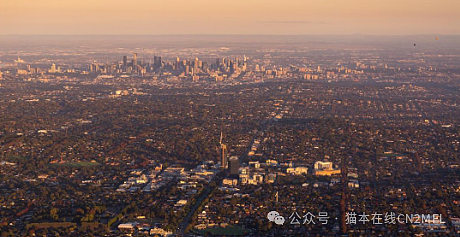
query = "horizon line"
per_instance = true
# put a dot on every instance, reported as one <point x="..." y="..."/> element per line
<point x="342" y="35"/>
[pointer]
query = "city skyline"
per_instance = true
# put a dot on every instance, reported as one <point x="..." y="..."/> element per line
<point x="254" y="118"/>
<point x="255" y="17"/>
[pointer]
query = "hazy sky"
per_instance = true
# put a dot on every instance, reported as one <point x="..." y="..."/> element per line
<point x="279" y="17"/>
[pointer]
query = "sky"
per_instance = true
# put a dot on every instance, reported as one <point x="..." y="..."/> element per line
<point x="248" y="17"/>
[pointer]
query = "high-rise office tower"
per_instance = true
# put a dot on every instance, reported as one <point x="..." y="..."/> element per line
<point x="217" y="63"/>
<point x="157" y="63"/>
<point x="187" y="70"/>
<point x="135" y="68"/>
<point x="125" y="63"/>
<point x="93" y="68"/>
<point x="232" y="67"/>
<point x="177" y="64"/>
<point x="233" y="165"/>
<point x="195" y="65"/>
<point x="223" y="153"/>
<point x="135" y="60"/>
<point x="204" y="66"/>
<point x="223" y="156"/>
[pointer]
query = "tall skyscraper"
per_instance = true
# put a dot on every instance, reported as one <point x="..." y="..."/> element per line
<point x="54" y="69"/>
<point x="233" y="165"/>
<point x="217" y="64"/>
<point x="125" y="63"/>
<point x="195" y="66"/>
<point x="223" y="153"/>
<point x="157" y="63"/>
<point x="135" y="60"/>
<point x="232" y="67"/>
<point x="177" y="65"/>
<point x="93" y="68"/>
<point x="187" y="70"/>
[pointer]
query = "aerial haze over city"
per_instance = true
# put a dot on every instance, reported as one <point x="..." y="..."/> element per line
<point x="195" y="120"/>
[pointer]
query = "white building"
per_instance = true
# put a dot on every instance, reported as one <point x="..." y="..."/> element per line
<point x="230" y="182"/>
<point x="160" y="232"/>
<point x="323" y="165"/>
<point x="297" y="170"/>
<point x="325" y="168"/>
<point x="128" y="226"/>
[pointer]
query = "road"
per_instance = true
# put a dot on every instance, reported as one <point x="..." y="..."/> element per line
<point x="188" y="218"/>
